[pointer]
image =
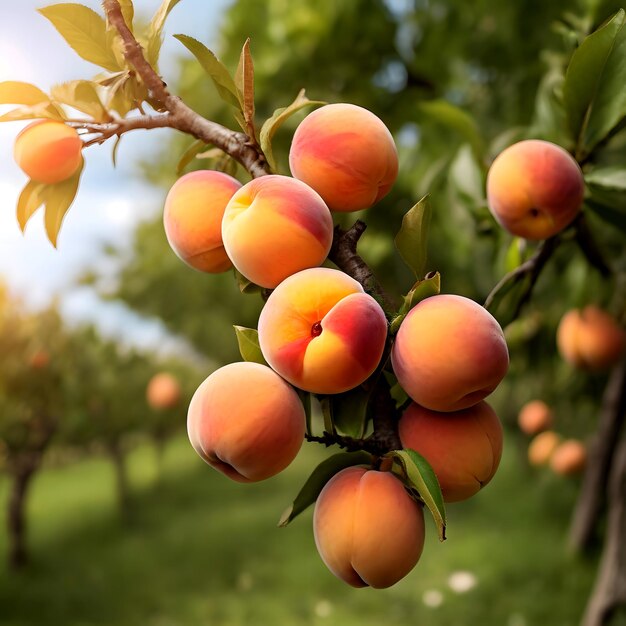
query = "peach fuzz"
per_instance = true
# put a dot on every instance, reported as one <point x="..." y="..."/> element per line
<point x="368" y="530"/>
<point x="569" y="458"/>
<point x="246" y="421"/>
<point x="542" y="447"/>
<point x="346" y="154"/>
<point x="463" y="447"/>
<point x="449" y="353"/>
<point x="535" y="189"/>
<point x="534" y="417"/>
<point x="590" y="339"/>
<point x="48" y="151"/>
<point x="192" y="218"/>
<point x="320" y="331"/>
<point x="163" y="391"/>
<point x="275" y="226"/>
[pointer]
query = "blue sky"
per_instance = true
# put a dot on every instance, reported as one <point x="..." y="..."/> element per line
<point x="110" y="201"/>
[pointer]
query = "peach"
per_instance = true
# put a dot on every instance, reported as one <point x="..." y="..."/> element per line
<point x="275" y="226"/>
<point x="534" y="417"/>
<point x="535" y="189"/>
<point x="542" y="447"/>
<point x="569" y="458"/>
<point x="320" y="331"/>
<point x="48" y="151"/>
<point x="40" y="360"/>
<point x="449" y="353"/>
<point x="590" y="339"/>
<point x="163" y="391"/>
<point x="346" y="154"/>
<point x="368" y="530"/>
<point x="463" y="447"/>
<point x="192" y="217"/>
<point x="246" y="421"/>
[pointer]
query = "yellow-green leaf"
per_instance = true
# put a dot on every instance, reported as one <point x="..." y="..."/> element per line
<point x="411" y="241"/>
<point x="81" y="95"/>
<point x="43" y="110"/>
<point x="189" y="155"/>
<point x="128" y="11"/>
<point x="155" y="31"/>
<point x="31" y="198"/>
<point x="57" y="199"/>
<point x="248" y="340"/>
<point x="244" y="80"/>
<point x="16" y="92"/>
<point x="272" y="124"/>
<point x="85" y="32"/>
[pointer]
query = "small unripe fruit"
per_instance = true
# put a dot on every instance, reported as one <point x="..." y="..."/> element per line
<point x="569" y="458"/>
<point x="535" y="189"/>
<point x="48" y="151"/>
<point x="192" y="218"/>
<point x="590" y="339"/>
<point x="368" y="530"/>
<point x="534" y="417"/>
<point x="542" y="447"/>
<point x="346" y="154"/>
<point x="163" y="391"/>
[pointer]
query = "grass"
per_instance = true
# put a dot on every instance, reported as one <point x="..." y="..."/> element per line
<point x="200" y="550"/>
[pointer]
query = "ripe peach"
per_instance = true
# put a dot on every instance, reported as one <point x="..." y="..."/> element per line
<point x="569" y="458"/>
<point x="535" y="189"/>
<point x="320" y="331"/>
<point x="346" y="154"/>
<point x="246" y="421"/>
<point x="163" y="391"/>
<point x="590" y="339"/>
<point x="463" y="447"/>
<point x="48" y="151"/>
<point x="275" y="226"/>
<point x="192" y="217"/>
<point x="534" y="417"/>
<point x="40" y="360"/>
<point x="449" y="353"/>
<point x="542" y="447"/>
<point x="368" y="530"/>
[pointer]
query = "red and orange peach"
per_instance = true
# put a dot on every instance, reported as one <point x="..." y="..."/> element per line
<point x="569" y="458"/>
<point x="320" y="331"/>
<point x="535" y="189"/>
<point x="246" y="421"/>
<point x="48" y="151"/>
<point x="542" y="447"/>
<point x="449" y="353"/>
<point x="368" y="530"/>
<point x="534" y="417"/>
<point x="590" y="339"/>
<point x="163" y="391"/>
<point x="192" y="218"/>
<point x="463" y="447"/>
<point x="275" y="226"/>
<point x="346" y="154"/>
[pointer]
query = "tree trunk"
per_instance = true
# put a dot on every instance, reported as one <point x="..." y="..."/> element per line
<point x="609" y="593"/>
<point x="593" y="492"/>
<point x="118" y="457"/>
<point x="16" y="515"/>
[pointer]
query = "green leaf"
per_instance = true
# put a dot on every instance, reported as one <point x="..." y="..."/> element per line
<point x="419" y="475"/>
<point x="31" y="198"/>
<point x="614" y="216"/>
<point x="57" y="199"/>
<point x="613" y="177"/>
<point x="189" y="155"/>
<point x="279" y="117"/>
<point x="248" y="340"/>
<point x="85" y="32"/>
<point x="349" y="411"/>
<point x="246" y="286"/>
<point x="215" y="69"/>
<point x="593" y="92"/>
<point x="244" y="80"/>
<point x="513" y="257"/>
<point x="457" y="119"/>
<point x="429" y="286"/>
<point x="305" y="398"/>
<point x="327" y="414"/>
<point x="412" y="238"/>
<point x="16" y="92"/>
<point x="318" y="478"/>
<point x="155" y="31"/>
<point x="81" y="95"/>
<point x="36" y="112"/>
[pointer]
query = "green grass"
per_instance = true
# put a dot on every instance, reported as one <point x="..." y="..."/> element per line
<point x="200" y="550"/>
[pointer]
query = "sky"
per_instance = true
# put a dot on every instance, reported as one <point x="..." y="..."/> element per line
<point x="110" y="202"/>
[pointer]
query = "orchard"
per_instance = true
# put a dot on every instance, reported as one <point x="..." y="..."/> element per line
<point x="507" y="276"/>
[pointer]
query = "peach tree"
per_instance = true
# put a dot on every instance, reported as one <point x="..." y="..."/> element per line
<point x="336" y="360"/>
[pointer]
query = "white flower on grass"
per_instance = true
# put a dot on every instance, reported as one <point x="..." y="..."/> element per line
<point x="323" y="608"/>
<point x="461" y="582"/>
<point x="432" y="598"/>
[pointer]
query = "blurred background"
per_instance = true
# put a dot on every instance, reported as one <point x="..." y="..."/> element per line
<point x="121" y="522"/>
